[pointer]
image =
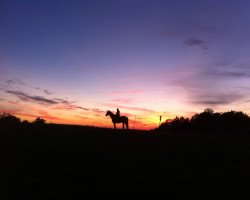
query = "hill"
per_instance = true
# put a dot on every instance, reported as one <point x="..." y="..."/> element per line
<point x="74" y="162"/>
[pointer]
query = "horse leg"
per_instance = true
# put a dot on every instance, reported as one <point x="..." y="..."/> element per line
<point x="127" y="125"/>
<point x="114" y="126"/>
<point x="122" y="125"/>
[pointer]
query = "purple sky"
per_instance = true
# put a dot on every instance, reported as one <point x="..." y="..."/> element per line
<point x="73" y="60"/>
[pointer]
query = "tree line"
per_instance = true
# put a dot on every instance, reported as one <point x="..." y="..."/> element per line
<point x="11" y="120"/>
<point x="209" y="120"/>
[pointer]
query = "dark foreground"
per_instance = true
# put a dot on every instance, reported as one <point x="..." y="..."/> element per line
<point x="82" y="162"/>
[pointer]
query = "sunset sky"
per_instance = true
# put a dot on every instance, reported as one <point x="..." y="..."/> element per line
<point x="72" y="60"/>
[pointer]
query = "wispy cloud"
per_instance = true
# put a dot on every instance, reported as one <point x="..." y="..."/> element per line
<point x="222" y="73"/>
<point x="68" y="105"/>
<point x="194" y="42"/>
<point x="123" y="100"/>
<point x="59" y="103"/>
<point x="37" y="99"/>
<point x="191" y="34"/>
<point x="64" y="101"/>
<point x="212" y="85"/>
<point x="217" y="99"/>
<point x="132" y="108"/>
<point x="190" y="42"/>
<point x="82" y="108"/>
<point x="97" y="110"/>
<point x="10" y="82"/>
<point x="15" y="81"/>
<point x="48" y="92"/>
<point x="125" y="92"/>
<point x="13" y="102"/>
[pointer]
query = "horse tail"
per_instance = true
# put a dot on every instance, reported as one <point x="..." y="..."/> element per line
<point x="127" y="123"/>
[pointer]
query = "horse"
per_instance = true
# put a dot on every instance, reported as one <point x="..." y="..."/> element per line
<point x="122" y="119"/>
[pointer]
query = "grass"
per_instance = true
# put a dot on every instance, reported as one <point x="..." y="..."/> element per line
<point x="73" y="162"/>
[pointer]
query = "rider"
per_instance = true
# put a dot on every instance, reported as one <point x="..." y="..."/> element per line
<point x="117" y="113"/>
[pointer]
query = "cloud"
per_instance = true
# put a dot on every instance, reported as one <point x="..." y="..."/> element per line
<point x="68" y="105"/>
<point x="48" y="92"/>
<point x="15" y="81"/>
<point x="34" y="98"/>
<point x="10" y="111"/>
<point x="229" y="74"/>
<point x="190" y="42"/>
<point x="10" y="82"/>
<point x="211" y="87"/>
<point x="194" y="42"/>
<point x="63" y="101"/>
<point x="65" y="104"/>
<point x="57" y="103"/>
<point x="132" y="108"/>
<point x="14" y="102"/>
<point x="220" y="81"/>
<point x="126" y="92"/>
<point x="205" y="91"/>
<point x="97" y="110"/>
<point x="82" y="108"/>
<point x="37" y="99"/>
<point x="43" y="100"/>
<point x="217" y="99"/>
<point x="123" y="101"/>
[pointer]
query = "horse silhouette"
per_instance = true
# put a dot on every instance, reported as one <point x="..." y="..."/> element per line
<point x="115" y="119"/>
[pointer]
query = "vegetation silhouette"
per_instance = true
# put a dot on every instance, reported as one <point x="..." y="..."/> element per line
<point x="209" y="120"/>
<point x="39" y="121"/>
<point x="61" y="161"/>
<point x="9" y="120"/>
<point x="116" y="118"/>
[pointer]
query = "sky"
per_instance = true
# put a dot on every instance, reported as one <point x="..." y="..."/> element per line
<point x="69" y="61"/>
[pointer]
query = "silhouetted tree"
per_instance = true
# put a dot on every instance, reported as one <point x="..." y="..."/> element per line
<point x="234" y="120"/>
<point x="209" y="120"/>
<point x="39" y="121"/>
<point x="25" y="122"/>
<point x="9" y="120"/>
<point x="209" y="110"/>
<point x="176" y="124"/>
<point x="203" y="120"/>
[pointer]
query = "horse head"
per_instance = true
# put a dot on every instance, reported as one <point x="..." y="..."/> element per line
<point x="108" y="113"/>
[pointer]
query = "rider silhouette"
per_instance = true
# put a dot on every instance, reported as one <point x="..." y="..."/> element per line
<point x="117" y="113"/>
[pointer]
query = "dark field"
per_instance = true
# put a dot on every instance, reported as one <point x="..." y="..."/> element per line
<point x="73" y="162"/>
